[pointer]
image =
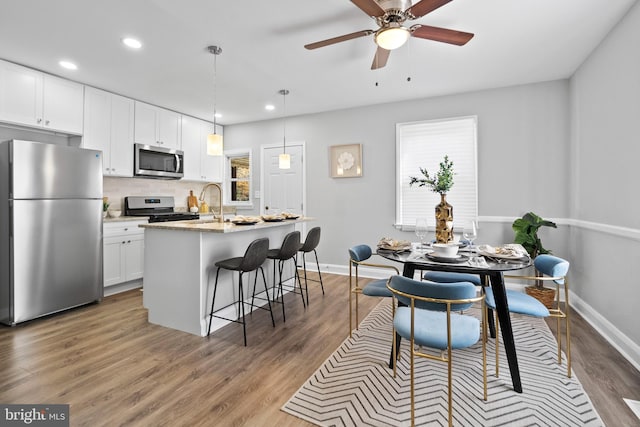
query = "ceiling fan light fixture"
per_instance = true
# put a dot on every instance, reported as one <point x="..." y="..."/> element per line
<point x="391" y="38"/>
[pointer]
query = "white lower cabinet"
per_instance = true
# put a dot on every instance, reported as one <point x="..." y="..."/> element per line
<point x="123" y="248"/>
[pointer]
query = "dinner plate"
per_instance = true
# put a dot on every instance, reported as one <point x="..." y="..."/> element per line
<point x="501" y="256"/>
<point x="452" y="260"/>
<point x="399" y="249"/>
<point x="273" y="219"/>
<point x="292" y="217"/>
<point x="245" y="222"/>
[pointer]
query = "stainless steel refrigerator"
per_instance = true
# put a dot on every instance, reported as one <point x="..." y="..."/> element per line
<point x="50" y="229"/>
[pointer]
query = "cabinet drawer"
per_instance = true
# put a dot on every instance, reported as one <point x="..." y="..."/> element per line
<point x="126" y="228"/>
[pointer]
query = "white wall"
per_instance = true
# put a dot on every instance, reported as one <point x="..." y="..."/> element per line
<point x="605" y="244"/>
<point x="523" y="143"/>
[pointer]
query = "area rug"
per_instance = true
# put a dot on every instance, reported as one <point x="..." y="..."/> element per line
<point x="355" y="387"/>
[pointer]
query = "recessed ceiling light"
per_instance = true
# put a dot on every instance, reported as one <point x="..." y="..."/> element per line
<point x="218" y="115"/>
<point x="68" y="65"/>
<point x="132" y="43"/>
<point x="269" y="107"/>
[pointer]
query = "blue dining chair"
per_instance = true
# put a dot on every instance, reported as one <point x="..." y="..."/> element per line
<point x="553" y="269"/>
<point x="359" y="256"/>
<point x="428" y="319"/>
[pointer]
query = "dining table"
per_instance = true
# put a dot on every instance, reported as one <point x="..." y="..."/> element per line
<point x="487" y="267"/>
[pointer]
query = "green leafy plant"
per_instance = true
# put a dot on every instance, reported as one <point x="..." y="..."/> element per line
<point x="526" y="229"/>
<point x="105" y="204"/>
<point x="441" y="182"/>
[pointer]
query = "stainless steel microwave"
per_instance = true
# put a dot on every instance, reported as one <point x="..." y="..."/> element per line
<point x="157" y="162"/>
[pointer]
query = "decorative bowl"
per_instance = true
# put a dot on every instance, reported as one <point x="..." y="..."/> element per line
<point x="445" y="250"/>
<point x="115" y="213"/>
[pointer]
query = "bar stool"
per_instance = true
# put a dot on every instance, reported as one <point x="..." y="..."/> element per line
<point x="254" y="257"/>
<point x="310" y="244"/>
<point x="286" y="252"/>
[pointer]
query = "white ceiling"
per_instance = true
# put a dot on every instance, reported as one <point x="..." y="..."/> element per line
<point x="516" y="41"/>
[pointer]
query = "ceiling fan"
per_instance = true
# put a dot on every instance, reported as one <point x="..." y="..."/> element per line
<point x="390" y="15"/>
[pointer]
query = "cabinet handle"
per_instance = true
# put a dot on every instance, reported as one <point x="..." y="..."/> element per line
<point x="123" y="242"/>
<point x="46" y="123"/>
<point x="39" y="121"/>
<point x="126" y="229"/>
<point x="128" y="241"/>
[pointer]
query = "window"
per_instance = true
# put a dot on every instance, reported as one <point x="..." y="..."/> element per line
<point x="424" y="144"/>
<point x="238" y="177"/>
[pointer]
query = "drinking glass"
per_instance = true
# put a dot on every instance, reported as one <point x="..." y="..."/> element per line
<point x="470" y="232"/>
<point x="421" y="229"/>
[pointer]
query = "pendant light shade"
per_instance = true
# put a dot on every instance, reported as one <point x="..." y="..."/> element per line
<point x="215" y="144"/>
<point x="284" y="159"/>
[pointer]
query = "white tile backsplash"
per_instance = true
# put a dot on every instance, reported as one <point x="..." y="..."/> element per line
<point x="117" y="188"/>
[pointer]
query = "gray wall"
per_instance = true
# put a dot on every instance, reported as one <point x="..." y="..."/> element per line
<point x="605" y="243"/>
<point x="518" y="128"/>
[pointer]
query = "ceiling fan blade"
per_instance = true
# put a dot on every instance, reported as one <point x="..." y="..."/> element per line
<point x="425" y="6"/>
<point x="370" y="7"/>
<point x="380" y="59"/>
<point x="339" y="39"/>
<point x="441" y="34"/>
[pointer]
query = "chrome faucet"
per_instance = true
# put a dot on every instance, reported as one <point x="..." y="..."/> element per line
<point x="204" y="189"/>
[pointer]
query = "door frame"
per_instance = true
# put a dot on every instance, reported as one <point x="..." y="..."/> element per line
<point x="304" y="172"/>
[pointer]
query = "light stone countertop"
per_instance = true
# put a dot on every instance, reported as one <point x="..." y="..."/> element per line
<point x="211" y="226"/>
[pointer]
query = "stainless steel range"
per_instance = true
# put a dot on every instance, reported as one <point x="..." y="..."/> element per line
<point x="158" y="209"/>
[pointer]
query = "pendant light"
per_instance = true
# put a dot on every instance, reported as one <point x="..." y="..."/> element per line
<point x="284" y="159"/>
<point x="214" y="141"/>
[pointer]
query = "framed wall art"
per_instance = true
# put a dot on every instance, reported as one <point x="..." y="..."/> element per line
<point x="345" y="160"/>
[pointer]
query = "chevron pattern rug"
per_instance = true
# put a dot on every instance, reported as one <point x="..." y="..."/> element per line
<point x="354" y="386"/>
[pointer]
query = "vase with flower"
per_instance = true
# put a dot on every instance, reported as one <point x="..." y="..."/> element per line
<point x="440" y="183"/>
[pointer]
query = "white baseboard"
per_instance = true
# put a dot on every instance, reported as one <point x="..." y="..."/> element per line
<point x="622" y="343"/>
<point x="629" y="349"/>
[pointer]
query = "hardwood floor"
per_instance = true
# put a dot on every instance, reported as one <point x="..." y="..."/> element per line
<point x="114" y="368"/>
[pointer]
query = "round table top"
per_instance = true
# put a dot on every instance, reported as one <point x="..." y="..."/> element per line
<point x="420" y="259"/>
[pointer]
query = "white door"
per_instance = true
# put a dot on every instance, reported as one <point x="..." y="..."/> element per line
<point x="283" y="189"/>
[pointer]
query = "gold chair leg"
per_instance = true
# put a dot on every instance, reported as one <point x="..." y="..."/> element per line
<point x="413" y="415"/>
<point x="566" y="311"/>
<point x="350" y="303"/>
<point x="449" y="381"/>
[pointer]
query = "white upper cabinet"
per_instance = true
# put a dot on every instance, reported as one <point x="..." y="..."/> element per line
<point x="35" y="99"/>
<point x="198" y="166"/>
<point x="62" y="105"/>
<point x="108" y="126"/>
<point x="157" y="126"/>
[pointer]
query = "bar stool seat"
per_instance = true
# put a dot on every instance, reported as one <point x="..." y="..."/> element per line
<point x="287" y="251"/>
<point x="254" y="257"/>
<point x="310" y="244"/>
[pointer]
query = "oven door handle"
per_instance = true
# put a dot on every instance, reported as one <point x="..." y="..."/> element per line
<point x="177" y="163"/>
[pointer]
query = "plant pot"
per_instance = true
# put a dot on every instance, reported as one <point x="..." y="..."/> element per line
<point x="545" y="295"/>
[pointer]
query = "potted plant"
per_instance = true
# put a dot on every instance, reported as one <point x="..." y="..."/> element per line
<point x="105" y="206"/>
<point x="526" y="234"/>
<point x="441" y="183"/>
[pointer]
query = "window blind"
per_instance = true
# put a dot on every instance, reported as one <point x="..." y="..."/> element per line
<point x="424" y="144"/>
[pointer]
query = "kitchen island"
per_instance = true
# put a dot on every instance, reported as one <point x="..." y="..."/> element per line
<point x="180" y="270"/>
